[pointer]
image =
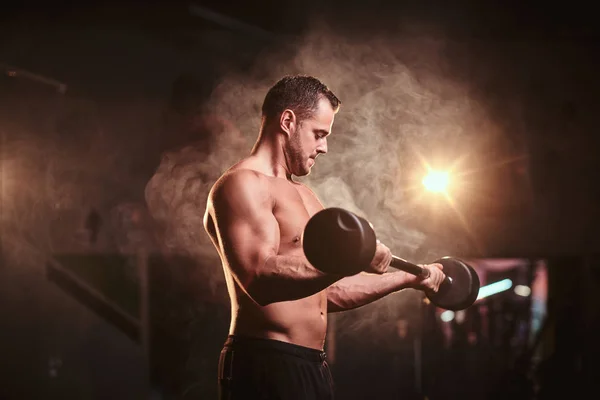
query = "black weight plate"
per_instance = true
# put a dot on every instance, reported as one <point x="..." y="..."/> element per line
<point x="338" y="241"/>
<point x="462" y="292"/>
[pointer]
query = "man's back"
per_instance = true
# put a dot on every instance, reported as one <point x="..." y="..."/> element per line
<point x="249" y="214"/>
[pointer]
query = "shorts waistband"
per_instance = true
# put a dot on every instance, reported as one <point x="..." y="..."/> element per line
<point x="252" y="343"/>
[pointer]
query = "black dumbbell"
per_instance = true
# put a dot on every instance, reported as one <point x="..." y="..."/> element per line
<point x="340" y="242"/>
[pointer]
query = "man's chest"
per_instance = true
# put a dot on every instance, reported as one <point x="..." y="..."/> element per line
<point x="294" y="205"/>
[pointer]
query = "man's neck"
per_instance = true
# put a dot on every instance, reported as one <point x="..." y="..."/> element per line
<point x="268" y="151"/>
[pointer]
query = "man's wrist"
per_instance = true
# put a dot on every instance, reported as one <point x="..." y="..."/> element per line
<point x="405" y="280"/>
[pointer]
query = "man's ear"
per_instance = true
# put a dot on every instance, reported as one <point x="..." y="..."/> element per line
<point x="288" y="122"/>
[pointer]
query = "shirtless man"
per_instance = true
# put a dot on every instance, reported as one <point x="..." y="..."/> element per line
<point x="255" y="216"/>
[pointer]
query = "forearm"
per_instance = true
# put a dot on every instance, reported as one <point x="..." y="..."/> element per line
<point x="286" y="278"/>
<point x="361" y="289"/>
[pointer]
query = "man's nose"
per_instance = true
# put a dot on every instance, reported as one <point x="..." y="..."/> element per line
<point x="322" y="148"/>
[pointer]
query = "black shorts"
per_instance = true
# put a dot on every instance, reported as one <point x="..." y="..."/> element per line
<point x="251" y="368"/>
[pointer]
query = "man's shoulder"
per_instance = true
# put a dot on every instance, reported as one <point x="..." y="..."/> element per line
<point x="239" y="181"/>
<point x="241" y="176"/>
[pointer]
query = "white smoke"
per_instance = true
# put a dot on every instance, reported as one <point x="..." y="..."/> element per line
<point x="396" y="100"/>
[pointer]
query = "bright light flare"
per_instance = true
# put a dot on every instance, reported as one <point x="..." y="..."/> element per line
<point x="436" y="181"/>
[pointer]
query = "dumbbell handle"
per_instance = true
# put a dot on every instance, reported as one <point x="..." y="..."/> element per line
<point x="409" y="267"/>
<point x="414" y="269"/>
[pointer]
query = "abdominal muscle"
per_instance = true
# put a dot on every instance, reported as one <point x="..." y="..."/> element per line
<point x="302" y="322"/>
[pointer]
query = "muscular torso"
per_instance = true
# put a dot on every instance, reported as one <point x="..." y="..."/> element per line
<point x="302" y="321"/>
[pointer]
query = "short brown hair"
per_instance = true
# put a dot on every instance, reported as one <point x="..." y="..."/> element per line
<point x="299" y="93"/>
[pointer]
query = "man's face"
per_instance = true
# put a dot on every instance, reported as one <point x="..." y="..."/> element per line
<point x="309" y="139"/>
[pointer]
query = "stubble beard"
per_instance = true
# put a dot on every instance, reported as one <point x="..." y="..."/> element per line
<point x="299" y="165"/>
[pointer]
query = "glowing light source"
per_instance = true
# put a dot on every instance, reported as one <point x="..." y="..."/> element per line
<point x="447" y="316"/>
<point x="522" y="290"/>
<point x="460" y="316"/>
<point x="436" y="181"/>
<point x="494" y="288"/>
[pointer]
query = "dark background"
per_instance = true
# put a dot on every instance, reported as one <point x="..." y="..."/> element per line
<point x="93" y="95"/>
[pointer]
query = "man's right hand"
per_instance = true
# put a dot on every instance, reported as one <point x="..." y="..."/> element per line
<point x="381" y="261"/>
